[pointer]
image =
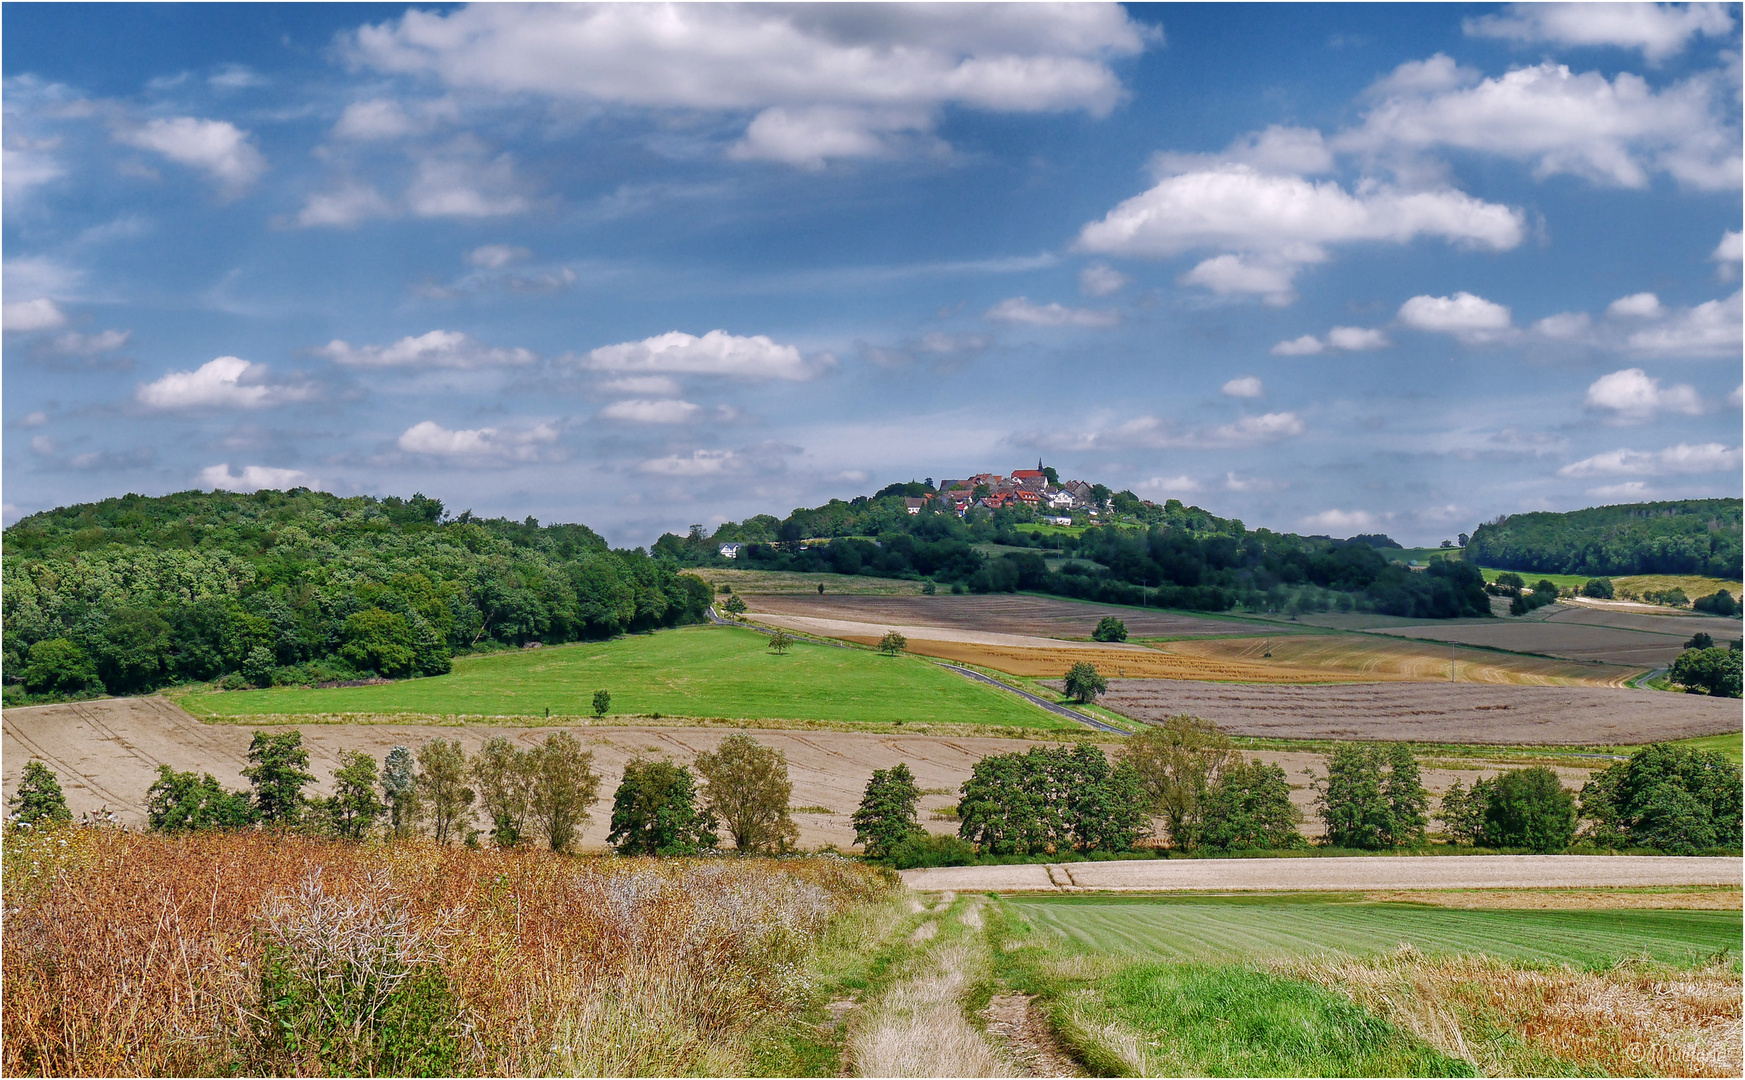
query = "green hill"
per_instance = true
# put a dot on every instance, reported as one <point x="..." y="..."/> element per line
<point x="1694" y="536"/>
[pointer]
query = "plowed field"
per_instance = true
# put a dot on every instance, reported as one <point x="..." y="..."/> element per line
<point x="1130" y="663"/>
<point x="1038" y="616"/>
<point x="1362" y="656"/>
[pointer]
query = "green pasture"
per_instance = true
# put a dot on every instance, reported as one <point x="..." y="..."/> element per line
<point x="1562" y="581"/>
<point x="1233" y="929"/>
<point x="1732" y="745"/>
<point x="1422" y="555"/>
<point x="716" y="672"/>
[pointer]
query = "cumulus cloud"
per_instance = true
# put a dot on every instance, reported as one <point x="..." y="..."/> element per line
<point x="657" y="411"/>
<point x="1709" y="329"/>
<point x="254" y="477"/>
<point x="218" y="147"/>
<point x="1611" y="132"/>
<point x="715" y="353"/>
<point x="1642" y="305"/>
<point x="696" y="463"/>
<point x="1472" y="319"/>
<point x="1342" y="521"/>
<point x="378" y="118"/>
<point x="1101" y="280"/>
<point x="1564" y="326"/>
<point x="1628" y="491"/>
<point x="1156" y="433"/>
<point x="1168" y="485"/>
<point x="658" y="385"/>
<point x="1340" y="338"/>
<point x="1727" y="255"/>
<point x="1019" y="309"/>
<point x="1633" y="396"/>
<point x="1659" y="30"/>
<point x="1289" y="151"/>
<point x="465" y="183"/>
<point x="1684" y="458"/>
<point x="1273" y="225"/>
<point x="228" y="382"/>
<point x="29" y="315"/>
<point x="486" y="445"/>
<point x="436" y="349"/>
<point x="1245" y="386"/>
<point x="820" y="82"/>
<point x="343" y="206"/>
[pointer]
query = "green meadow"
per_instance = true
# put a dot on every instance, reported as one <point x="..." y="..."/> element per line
<point x="715" y="672"/>
<point x="1233" y="929"/>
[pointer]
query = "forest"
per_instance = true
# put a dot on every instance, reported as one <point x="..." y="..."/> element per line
<point x="1692" y="536"/>
<point x="300" y="586"/>
<point x="1168" y="555"/>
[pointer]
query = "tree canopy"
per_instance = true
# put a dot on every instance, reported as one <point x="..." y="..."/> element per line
<point x="1688" y="536"/>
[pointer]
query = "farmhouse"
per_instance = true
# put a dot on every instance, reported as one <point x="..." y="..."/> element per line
<point x="730" y="551"/>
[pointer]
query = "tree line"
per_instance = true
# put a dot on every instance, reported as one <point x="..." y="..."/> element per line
<point x="1689" y="536"/>
<point x="295" y="587"/>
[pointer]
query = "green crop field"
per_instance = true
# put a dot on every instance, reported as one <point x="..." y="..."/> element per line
<point x="1235" y="928"/>
<point x="1562" y="581"/>
<point x="700" y="671"/>
<point x="1732" y="745"/>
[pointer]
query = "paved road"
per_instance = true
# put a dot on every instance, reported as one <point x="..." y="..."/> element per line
<point x="1336" y="874"/>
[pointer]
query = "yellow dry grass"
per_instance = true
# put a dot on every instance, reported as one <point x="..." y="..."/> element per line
<point x="1119" y="663"/>
<point x="1637" y="584"/>
<point x="1510" y="1021"/>
<point x="1354" y="656"/>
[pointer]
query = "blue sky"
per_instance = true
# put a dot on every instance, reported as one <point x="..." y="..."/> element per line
<point x="1333" y="269"/>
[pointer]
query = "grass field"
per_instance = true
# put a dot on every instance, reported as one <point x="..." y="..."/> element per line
<point x="703" y="671"/>
<point x="1632" y="585"/>
<point x="1240" y="928"/>
<point x="1733" y="746"/>
<point x="776" y="582"/>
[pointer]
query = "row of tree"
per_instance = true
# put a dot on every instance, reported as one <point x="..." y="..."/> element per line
<point x="300" y="586"/>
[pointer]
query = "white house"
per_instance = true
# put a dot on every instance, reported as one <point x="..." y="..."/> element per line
<point x="1058" y="520"/>
<point x="730" y="551"/>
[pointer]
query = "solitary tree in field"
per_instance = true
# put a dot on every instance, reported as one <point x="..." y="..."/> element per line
<point x="1178" y="762"/>
<point x="278" y="769"/>
<point x="1110" y="628"/>
<point x="353" y="809"/>
<point x="400" y="786"/>
<point x="746" y="785"/>
<point x="38" y="799"/>
<point x="734" y="606"/>
<point x="564" y="786"/>
<point x="893" y="643"/>
<point x="886" y="816"/>
<point x="442" y="786"/>
<point x="602" y="702"/>
<point x="654" y="812"/>
<point x="1083" y="684"/>
<point x="779" y="643"/>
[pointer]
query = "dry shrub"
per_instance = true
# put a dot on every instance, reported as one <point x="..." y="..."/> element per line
<point x="129" y="954"/>
<point x="1632" y="1020"/>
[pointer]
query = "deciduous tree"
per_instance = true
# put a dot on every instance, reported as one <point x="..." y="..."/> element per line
<point x="279" y="770"/>
<point x="442" y="787"/>
<point x="183" y="802"/>
<point x="1083" y="684"/>
<point x="563" y="788"/>
<point x="893" y="643"/>
<point x="1529" y="808"/>
<point x="779" y="643"/>
<point x="39" y="799"/>
<point x="1371" y="797"/>
<point x="353" y="809"/>
<point x="746" y="786"/>
<point x="400" y="786"/>
<point x="1249" y="808"/>
<point x="1109" y="628"/>
<point x="1177" y="762"/>
<point x="886" y="816"/>
<point x="654" y="811"/>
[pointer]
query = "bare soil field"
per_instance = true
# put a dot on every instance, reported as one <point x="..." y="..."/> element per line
<point x="106" y="754"/>
<point x="1052" y="658"/>
<point x="1362" y="656"/>
<point x="1434" y="712"/>
<point x="1336" y="874"/>
<point x="1036" y="616"/>
<point x="1641" y="649"/>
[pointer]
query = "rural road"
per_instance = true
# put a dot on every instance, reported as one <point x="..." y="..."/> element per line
<point x="1335" y="874"/>
<point x="1059" y="710"/>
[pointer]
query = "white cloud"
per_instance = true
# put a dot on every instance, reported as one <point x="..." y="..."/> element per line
<point x="1709" y="329"/>
<point x="1628" y="491"/>
<point x="225" y="383"/>
<point x="496" y="256"/>
<point x="1275" y="225"/>
<point x="254" y="477"/>
<point x="1251" y="430"/>
<point x="1729" y="249"/>
<point x="1659" y="30"/>
<point x="1156" y="433"/>
<point x="1287" y="151"/>
<point x="1612" y="132"/>
<point x="1101" y="280"/>
<point x="76" y="344"/>
<point x="35" y="419"/>
<point x="1342" y="521"/>
<point x="662" y="411"/>
<point x="1642" y="305"/>
<point x="1342" y="338"/>
<point x="436" y="349"/>
<point x="1470" y="318"/>
<point x="1019" y="309"/>
<point x="1246" y="386"/>
<point x="659" y="385"/>
<point x="824" y="82"/>
<point x="217" y="146"/>
<point x="1564" y="326"/>
<point x="1434" y="75"/>
<point x="26" y="164"/>
<point x="1168" y="485"/>
<point x="715" y="353"/>
<point x="1683" y="458"/>
<point x="28" y="315"/>
<point x="379" y="118"/>
<point x="235" y="77"/>
<point x="484" y="445"/>
<point x="1735" y="399"/>
<point x="696" y="463"/>
<point x="465" y="185"/>
<point x="346" y="205"/>
<point x="1633" y="396"/>
<point x="43" y="445"/>
<point x="1233" y="482"/>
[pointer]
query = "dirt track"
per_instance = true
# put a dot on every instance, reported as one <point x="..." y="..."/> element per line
<point x="1434" y="712"/>
<point x="1335" y="875"/>
<point x="106" y="753"/>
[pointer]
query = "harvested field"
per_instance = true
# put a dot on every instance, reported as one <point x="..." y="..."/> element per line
<point x="1036" y="616"/>
<point x="1362" y="656"/>
<point x="1337" y="874"/>
<point x="1052" y="658"/>
<point x="767" y="582"/>
<point x="1434" y="712"/>
<point x="1641" y="649"/>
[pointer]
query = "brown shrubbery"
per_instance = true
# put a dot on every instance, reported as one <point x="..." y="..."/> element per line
<point x="132" y="954"/>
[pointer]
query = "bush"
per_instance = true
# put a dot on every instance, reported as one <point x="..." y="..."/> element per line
<point x="1717" y="603"/>
<point x="1528" y="808"/>
<point x="1109" y="628"/>
<point x="39" y="799"/>
<point x="1669" y="798"/>
<point x="925" y="850"/>
<point x="602" y="702"/>
<point x="1715" y="672"/>
<point x="1599" y="588"/>
<point x="182" y="802"/>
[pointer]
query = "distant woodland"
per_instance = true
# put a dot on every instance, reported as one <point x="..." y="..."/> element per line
<point x="1696" y="536"/>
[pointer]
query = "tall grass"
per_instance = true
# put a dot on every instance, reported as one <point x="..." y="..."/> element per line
<point x="130" y="954"/>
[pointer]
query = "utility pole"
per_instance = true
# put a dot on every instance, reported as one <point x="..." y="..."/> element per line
<point x="1453" y="675"/>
